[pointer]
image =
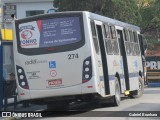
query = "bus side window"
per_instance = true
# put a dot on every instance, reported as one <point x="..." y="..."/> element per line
<point x="114" y="40"/>
<point x="113" y="32"/>
<point x="107" y="38"/>
<point x="132" y="43"/>
<point x="135" y="37"/>
<point x="136" y="46"/>
<point x="93" y="28"/>
<point x="143" y="43"/>
<point x="126" y="35"/>
<point x="127" y="42"/>
<point x="106" y="31"/>
<point x="94" y="36"/>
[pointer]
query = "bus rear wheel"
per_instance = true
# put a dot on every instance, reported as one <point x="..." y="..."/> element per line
<point x="58" y="106"/>
<point x="138" y="93"/>
<point x="117" y="96"/>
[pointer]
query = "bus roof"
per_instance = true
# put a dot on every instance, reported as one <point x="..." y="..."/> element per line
<point x="113" y="21"/>
<point x="94" y="17"/>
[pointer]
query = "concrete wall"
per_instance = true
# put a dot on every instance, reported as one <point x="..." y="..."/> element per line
<point x="23" y="7"/>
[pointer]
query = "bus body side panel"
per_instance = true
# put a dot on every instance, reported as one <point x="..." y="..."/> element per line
<point x="124" y="63"/>
<point x="115" y="66"/>
<point x="95" y="82"/>
<point x="22" y="94"/>
<point x="135" y="65"/>
<point x="91" y="85"/>
<point x="103" y="81"/>
<point x="119" y="61"/>
<point x="133" y="72"/>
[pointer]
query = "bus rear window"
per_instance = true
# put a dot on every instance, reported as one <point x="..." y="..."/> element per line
<point x="51" y="32"/>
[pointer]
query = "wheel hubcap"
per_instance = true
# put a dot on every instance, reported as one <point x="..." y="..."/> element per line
<point x="140" y="88"/>
<point x="118" y="93"/>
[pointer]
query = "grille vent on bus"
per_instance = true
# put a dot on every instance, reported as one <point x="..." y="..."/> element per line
<point x="22" y="80"/>
<point x="87" y="70"/>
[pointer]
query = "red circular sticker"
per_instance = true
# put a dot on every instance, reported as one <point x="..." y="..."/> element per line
<point x="53" y="73"/>
<point x="27" y="34"/>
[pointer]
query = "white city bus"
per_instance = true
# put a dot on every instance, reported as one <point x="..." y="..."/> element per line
<point x="68" y="56"/>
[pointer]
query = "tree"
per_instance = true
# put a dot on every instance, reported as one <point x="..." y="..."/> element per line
<point x="150" y="15"/>
<point x="143" y="13"/>
<point x="150" y="24"/>
<point x="127" y="13"/>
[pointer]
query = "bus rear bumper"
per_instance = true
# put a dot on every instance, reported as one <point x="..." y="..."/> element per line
<point x="48" y="93"/>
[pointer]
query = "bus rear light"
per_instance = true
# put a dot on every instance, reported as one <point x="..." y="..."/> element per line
<point x="51" y="48"/>
<point x="21" y="76"/>
<point x="86" y="76"/>
<point x="87" y="70"/>
<point x="19" y="70"/>
<point x="21" y="94"/>
<point x="89" y="86"/>
<point x="26" y="87"/>
<point x="83" y="81"/>
<point x="23" y="83"/>
<point x="22" y="80"/>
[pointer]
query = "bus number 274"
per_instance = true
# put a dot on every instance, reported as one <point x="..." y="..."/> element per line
<point x="72" y="56"/>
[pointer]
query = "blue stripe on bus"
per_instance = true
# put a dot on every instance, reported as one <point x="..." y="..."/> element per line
<point x="111" y="77"/>
<point x="131" y="75"/>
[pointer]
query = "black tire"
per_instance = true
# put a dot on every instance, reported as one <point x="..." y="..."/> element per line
<point x="57" y="106"/>
<point x="117" y="96"/>
<point x="138" y="93"/>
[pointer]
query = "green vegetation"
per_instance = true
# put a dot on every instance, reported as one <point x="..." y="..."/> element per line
<point x="143" y="13"/>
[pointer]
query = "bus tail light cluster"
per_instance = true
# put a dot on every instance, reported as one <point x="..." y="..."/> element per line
<point x="87" y="70"/>
<point x="22" y="80"/>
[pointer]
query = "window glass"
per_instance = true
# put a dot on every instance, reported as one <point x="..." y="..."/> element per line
<point x="93" y="29"/>
<point x="106" y="31"/>
<point x="135" y="37"/>
<point x="50" y="32"/>
<point x="111" y="41"/>
<point x="131" y="36"/>
<point x="116" y="50"/>
<point x="109" y="47"/>
<point x="96" y="45"/>
<point x="126" y="35"/>
<point x="113" y="32"/>
<point x="94" y="36"/>
<point x="128" y="48"/>
<point x="34" y="12"/>
<point x="132" y="47"/>
<point x="137" y="49"/>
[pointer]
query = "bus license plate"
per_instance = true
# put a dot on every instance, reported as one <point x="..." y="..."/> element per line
<point x="54" y="82"/>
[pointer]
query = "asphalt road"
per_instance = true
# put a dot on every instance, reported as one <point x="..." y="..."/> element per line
<point x="148" y="104"/>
